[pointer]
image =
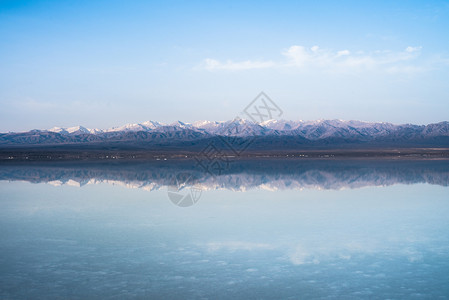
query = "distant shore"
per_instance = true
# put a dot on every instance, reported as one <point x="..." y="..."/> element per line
<point x="45" y="154"/>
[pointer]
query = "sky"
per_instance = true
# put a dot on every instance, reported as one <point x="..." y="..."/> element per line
<point x="106" y="63"/>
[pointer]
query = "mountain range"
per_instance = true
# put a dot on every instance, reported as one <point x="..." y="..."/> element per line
<point x="271" y="134"/>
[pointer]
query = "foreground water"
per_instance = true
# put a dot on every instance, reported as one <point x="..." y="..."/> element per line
<point x="308" y="230"/>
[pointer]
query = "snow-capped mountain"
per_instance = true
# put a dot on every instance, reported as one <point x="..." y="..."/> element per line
<point x="313" y="130"/>
<point x="272" y="132"/>
<point x="75" y="130"/>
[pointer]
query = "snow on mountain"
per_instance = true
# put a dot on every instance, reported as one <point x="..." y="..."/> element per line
<point x="128" y="127"/>
<point x="181" y="124"/>
<point x="78" y="130"/>
<point x="95" y="131"/>
<point x="281" y="124"/>
<point x="241" y="127"/>
<point x="441" y="128"/>
<point x="58" y="130"/>
<point x="152" y="124"/>
<point x="312" y="130"/>
<point x="210" y="126"/>
<point x="75" y="130"/>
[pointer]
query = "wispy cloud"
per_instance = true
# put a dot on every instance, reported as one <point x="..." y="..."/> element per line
<point x="212" y="64"/>
<point x="301" y="57"/>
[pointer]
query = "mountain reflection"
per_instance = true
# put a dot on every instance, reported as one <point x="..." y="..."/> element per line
<point x="240" y="175"/>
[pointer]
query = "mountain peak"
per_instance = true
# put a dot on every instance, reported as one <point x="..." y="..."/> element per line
<point x="152" y="124"/>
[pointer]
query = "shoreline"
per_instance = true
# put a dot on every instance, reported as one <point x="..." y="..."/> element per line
<point x="11" y="155"/>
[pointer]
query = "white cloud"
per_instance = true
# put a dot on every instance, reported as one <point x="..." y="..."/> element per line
<point x="315" y="57"/>
<point x="343" y="52"/>
<point x="405" y="69"/>
<point x="298" y="55"/>
<point x="212" y="64"/>
<point x="412" y="49"/>
<point x="342" y="60"/>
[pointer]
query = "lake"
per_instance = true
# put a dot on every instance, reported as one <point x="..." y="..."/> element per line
<point x="260" y="229"/>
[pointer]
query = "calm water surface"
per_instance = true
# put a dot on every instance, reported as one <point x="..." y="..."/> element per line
<point x="337" y="231"/>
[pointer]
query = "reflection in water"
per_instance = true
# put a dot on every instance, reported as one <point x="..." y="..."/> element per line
<point x="244" y="175"/>
<point x="301" y="229"/>
<point x="185" y="190"/>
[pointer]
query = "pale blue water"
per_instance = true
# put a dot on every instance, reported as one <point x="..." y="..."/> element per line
<point x="105" y="240"/>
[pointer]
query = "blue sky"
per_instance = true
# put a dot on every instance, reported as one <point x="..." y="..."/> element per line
<point x="106" y="63"/>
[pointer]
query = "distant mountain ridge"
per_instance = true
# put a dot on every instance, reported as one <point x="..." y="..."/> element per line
<point x="271" y="132"/>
